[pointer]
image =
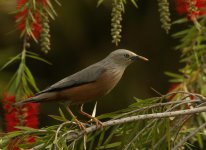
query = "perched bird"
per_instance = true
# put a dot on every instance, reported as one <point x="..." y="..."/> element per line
<point x="88" y="84"/>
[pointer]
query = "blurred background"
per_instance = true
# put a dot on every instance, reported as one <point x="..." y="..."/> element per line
<point x="80" y="36"/>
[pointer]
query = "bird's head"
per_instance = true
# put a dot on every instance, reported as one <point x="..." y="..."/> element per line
<point x="124" y="57"/>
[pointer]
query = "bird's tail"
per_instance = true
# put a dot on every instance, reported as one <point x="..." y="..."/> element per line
<point x="29" y="100"/>
<point x="35" y="99"/>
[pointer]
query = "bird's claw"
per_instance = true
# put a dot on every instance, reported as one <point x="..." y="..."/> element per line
<point x="81" y="125"/>
<point x="98" y="123"/>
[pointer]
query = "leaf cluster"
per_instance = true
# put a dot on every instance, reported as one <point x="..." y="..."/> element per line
<point x="191" y="77"/>
<point x="22" y="83"/>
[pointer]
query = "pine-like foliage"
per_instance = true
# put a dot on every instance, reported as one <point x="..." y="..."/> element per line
<point x="164" y="14"/>
<point x="117" y="9"/>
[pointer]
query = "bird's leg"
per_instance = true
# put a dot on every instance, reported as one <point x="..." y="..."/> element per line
<point x="80" y="110"/>
<point x="80" y="124"/>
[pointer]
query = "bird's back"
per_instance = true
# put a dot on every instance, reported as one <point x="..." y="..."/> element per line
<point x="91" y="91"/>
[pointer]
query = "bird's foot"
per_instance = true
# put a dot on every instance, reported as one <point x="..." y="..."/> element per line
<point x="98" y="123"/>
<point x="80" y="124"/>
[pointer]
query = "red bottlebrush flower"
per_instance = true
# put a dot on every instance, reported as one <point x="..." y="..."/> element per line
<point x="20" y="3"/>
<point x="25" y="115"/>
<point x="171" y="89"/>
<point x="193" y="8"/>
<point x="192" y="97"/>
<point x="23" y="17"/>
<point x="30" y="111"/>
<point x="36" y="26"/>
<point x="31" y="139"/>
<point x="11" y="114"/>
<point x="11" y="118"/>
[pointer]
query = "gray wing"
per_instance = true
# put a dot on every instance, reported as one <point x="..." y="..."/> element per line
<point x="87" y="75"/>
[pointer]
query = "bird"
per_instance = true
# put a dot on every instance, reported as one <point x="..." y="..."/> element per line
<point x="87" y="85"/>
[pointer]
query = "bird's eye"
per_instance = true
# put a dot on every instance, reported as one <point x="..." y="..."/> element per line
<point x="126" y="55"/>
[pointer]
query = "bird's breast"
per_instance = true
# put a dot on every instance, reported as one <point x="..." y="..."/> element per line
<point x="94" y="90"/>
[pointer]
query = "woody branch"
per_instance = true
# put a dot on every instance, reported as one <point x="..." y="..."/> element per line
<point x="74" y="135"/>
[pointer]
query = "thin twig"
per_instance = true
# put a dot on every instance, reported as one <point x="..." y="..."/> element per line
<point x="59" y="128"/>
<point x="57" y="132"/>
<point x="137" y="118"/>
<point x="157" y="105"/>
<point x="189" y="136"/>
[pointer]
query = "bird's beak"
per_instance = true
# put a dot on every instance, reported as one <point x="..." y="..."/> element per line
<point x="139" y="57"/>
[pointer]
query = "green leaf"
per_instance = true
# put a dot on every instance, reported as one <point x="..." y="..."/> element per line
<point x="10" y="61"/>
<point x="31" y="78"/>
<point x="99" y="2"/>
<point x="174" y="75"/>
<point x="58" y="3"/>
<point x="180" y="21"/>
<point x="101" y="138"/>
<point x="180" y="33"/>
<point x="176" y="80"/>
<point x="62" y="114"/>
<point x="32" y="53"/>
<point x="26" y="128"/>
<point x="11" y="85"/>
<point x="39" y="58"/>
<point x="34" y="4"/>
<point x="20" y="71"/>
<point x="111" y="145"/>
<point x="29" y="31"/>
<point x="134" y="3"/>
<point x="24" y="81"/>
<point x="107" y="115"/>
<point x="59" y="118"/>
<point x="13" y="134"/>
<point x="22" y="33"/>
<point x="23" y="7"/>
<point x="51" y="8"/>
<point x="4" y="141"/>
<point x="200" y="141"/>
<point x="19" y="19"/>
<point x="30" y="15"/>
<point x="49" y="13"/>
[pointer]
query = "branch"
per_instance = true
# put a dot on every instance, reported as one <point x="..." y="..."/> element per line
<point x="179" y="102"/>
<point x="199" y="98"/>
<point x="72" y="136"/>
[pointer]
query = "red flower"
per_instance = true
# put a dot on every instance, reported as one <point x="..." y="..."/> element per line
<point x="11" y="114"/>
<point x="30" y="111"/>
<point x="25" y="115"/>
<point x="23" y="15"/>
<point x="20" y="3"/>
<point x="36" y="25"/>
<point x="31" y="139"/>
<point x="171" y="89"/>
<point x="193" y="8"/>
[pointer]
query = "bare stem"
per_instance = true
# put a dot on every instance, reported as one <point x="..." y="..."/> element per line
<point x="137" y="118"/>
